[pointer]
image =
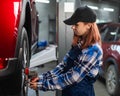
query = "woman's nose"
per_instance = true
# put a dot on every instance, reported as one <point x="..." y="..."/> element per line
<point x="73" y="27"/>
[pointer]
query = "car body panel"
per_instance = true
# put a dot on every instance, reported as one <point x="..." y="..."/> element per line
<point x="9" y="20"/>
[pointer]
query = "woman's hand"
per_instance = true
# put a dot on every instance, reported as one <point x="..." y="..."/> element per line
<point x="34" y="83"/>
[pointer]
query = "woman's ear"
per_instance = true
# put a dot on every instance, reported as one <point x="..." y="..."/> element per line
<point x="89" y="25"/>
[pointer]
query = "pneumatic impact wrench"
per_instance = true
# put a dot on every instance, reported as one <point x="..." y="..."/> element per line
<point x="31" y="75"/>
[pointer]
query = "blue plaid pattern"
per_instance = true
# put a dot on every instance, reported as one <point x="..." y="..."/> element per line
<point x="75" y="66"/>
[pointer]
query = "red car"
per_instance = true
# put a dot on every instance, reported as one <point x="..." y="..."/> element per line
<point x="18" y="32"/>
<point x="110" y="33"/>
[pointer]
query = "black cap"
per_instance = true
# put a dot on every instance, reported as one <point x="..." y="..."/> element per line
<point x="83" y="14"/>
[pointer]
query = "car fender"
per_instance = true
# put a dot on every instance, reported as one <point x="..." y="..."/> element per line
<point x="9" y="21"/>
<point x="110" y="61"/>
<point x="21" y="24"/>
<point x="12" y="20"/>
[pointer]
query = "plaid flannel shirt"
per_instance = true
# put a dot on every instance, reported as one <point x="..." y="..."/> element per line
<point x="88" y="63"/>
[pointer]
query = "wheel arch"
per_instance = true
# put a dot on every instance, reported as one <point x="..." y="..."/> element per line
<point x="111" y="61"/>
<point x="25" y="21"/>
<point x="28" y="24"/>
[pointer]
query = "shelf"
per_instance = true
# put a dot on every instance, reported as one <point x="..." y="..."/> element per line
<point x="52" y="30"/>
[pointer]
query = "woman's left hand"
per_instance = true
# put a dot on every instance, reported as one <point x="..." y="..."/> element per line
<point x="34" y="83"/>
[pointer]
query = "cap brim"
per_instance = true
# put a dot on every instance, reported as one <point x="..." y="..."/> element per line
<point x="70" y="21"/>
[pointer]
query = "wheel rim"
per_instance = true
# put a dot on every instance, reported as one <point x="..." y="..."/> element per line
<point x="111" y="80"/>
<point x="24" y="76"/>
<point x="25" y="54"/>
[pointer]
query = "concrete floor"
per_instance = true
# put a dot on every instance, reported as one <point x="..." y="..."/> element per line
<point x="100" y="89"/>
<point x="99" y="86"/>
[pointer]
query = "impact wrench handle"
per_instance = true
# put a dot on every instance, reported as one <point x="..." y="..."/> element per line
<point x="32" y="75"/>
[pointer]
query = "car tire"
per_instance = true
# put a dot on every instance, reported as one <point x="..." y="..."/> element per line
<point x="24" y="59"/>
<point x="20" y="86"/>
<point x="112" y="81"/>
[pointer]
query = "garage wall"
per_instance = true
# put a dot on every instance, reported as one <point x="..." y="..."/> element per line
<point x="65" y="31"/>
<point x="46" y="11"/>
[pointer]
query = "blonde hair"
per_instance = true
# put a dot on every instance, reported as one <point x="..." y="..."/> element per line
<point x="93" y="36"/>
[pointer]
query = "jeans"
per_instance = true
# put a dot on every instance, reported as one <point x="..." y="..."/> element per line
<point x="83" y="88"/>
